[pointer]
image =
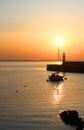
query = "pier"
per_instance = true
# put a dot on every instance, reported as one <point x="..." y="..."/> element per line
<point x="67" y="66"/>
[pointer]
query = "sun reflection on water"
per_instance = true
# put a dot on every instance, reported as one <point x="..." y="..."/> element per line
<point x="58" y="93"/>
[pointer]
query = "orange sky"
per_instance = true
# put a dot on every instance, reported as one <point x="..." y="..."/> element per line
<point x="31" y="33"/>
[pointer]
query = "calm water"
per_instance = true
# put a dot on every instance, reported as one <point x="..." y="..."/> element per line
<point x="29" y="102"/>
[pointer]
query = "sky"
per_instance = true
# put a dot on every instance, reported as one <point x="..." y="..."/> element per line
<point x="29" y="29"/>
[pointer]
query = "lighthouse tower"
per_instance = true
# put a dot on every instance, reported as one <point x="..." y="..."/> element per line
<point x="63" y="60"/>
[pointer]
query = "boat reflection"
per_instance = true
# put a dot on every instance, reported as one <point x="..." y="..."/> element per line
<point x="57" y="93"/>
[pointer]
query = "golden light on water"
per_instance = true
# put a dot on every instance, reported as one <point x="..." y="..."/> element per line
<point x="58" y="94"/>
<point x="59" y="62"/>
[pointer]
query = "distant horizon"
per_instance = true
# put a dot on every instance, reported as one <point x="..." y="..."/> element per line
<point x="32" y="60"/>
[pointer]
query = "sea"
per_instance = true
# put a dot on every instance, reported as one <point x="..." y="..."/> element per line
<point x="29" y="102"/>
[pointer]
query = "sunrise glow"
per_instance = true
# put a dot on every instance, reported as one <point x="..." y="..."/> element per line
<point x="59" y="42"/>
<point x="30" y="29"/>
<point x="59" y="62"/>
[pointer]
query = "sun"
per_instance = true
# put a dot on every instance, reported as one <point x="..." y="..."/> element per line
<point x="59" y="42"/>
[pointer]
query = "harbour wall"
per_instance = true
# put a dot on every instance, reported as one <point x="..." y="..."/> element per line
<point x="74" y="67"/>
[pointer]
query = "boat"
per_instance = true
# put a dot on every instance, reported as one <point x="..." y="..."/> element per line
<point x="54" y="77"/>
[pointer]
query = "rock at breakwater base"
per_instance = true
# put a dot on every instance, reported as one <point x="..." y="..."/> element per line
<point x="71" y="117"/>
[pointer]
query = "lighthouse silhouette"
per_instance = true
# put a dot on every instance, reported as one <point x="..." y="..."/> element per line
<point x="64" y="57"/>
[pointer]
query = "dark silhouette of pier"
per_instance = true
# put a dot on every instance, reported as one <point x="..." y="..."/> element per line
<point x="67" y="66"/>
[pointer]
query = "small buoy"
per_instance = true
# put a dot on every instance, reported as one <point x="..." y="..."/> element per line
<point x="65" y="78"/>
<point x="16" y="91"/>
<point x="47" y="80"/>
<point x="24" y="85"/>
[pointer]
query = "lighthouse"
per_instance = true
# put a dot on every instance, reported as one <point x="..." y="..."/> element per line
<point x="63" y="60"/>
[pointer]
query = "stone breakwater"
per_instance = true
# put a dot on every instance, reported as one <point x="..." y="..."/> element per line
<point x="74" y="67"/>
